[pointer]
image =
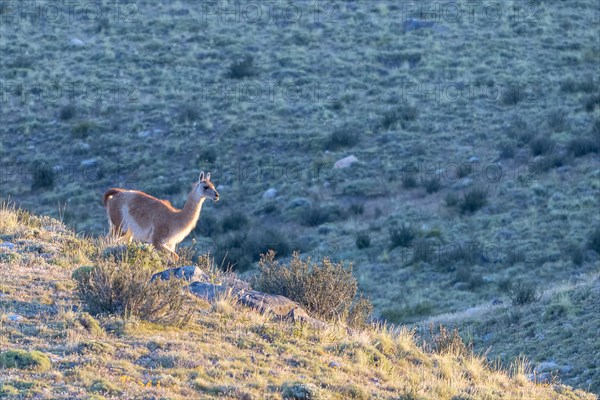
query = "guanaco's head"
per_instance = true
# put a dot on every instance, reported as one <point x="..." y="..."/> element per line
<point x="205" y="188"/>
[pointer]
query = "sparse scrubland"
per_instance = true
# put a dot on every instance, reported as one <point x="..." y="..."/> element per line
<point x="472" y="198"/>
<point x="59" y="343"/>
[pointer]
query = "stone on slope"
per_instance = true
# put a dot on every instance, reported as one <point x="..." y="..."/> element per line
<point x="190" y="273"/>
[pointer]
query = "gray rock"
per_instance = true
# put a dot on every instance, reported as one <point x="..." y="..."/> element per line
<point x="190" y="273"/>
<point x="15" y="317"/>
<point x="8" y="245"/>
<point x="209" y="291"/>
<point x="334" y="364"/>
<point x="414" y="24"/>
<point x="547" y="366"/>
<point x="299" y="202"/>
<point x="263" y="302"/>
<point x="90" y="162"/>
<point x="463" y="183"/>
<point x="474" y="159"/>
<point x="76" y="42"/>
<point x="270" y="193"/>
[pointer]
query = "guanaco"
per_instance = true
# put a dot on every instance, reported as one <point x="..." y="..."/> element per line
<point x="135" y="215"/>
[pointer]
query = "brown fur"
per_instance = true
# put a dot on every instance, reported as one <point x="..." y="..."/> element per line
<point x="135" y="215"/>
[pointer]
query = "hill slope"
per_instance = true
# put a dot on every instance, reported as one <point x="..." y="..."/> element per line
<point x="558" y="333"/>
<point x="226" y="352"/>
<point x="506" y="104"/>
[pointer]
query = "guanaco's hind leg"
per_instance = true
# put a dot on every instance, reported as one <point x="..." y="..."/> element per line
<point x="166" y="248"/>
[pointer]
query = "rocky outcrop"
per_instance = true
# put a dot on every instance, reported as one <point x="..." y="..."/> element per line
<point x="190" y="273"/>
<point x="279" y="306"/>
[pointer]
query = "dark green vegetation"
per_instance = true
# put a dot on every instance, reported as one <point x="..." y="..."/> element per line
<point x="498" y="189"/>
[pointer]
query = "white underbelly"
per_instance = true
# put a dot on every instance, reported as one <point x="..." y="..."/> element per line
<point x="138" y="233"/>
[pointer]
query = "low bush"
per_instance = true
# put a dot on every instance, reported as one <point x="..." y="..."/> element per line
<point x="238" y="250"/>
<point x="363" y="240"/>
<point x="327" y="290"/>
<point x="448" y="342"/>
<point x="432" y="185"/>
<point x="473" y="200"/>
<point x="540" y="145"/>
<point x="523" y="293"/>
<point x="400" y="115"/>
<point x="346" y="136"/>
<point x="22" y="359"/>
<point x="582" y="146"/>
<point x="234" y="221"/>
<point x="241" y="69"/>
<point x="594" y="240"/>
<point x="401" y="236"/>
<point x="120" y="284"/>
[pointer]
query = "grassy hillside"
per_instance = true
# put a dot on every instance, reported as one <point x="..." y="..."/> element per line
<point x="507" y="106"/>
<point x="52" y="348"/>
<point x="477" y="138"/>
<point x="558" y="331"/>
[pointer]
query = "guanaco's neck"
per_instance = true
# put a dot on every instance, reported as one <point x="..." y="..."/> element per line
<point x="188" y="217"/>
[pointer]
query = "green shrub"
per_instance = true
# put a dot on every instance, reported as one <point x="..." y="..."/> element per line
<point x="360" y="312"/>
<point x="401" y="115"/>
<point x="507" y="150"/>
<point x="451" y="200"/>
<point x="104" y="386"/>
<point x="82" y="273"/>
<point x="327" y="290"/>
<point x="401" y="236"/>
<point x="301" y="391"/>
<point x="473" y="200"/>
<point x="236" y="220"/>
<point x="409" y="182"/>
<point x="67" y="112"/>
<point x="188" y="113"/>
<point x="356" y="208"/>
<point x="94" y="347"/>
<point x="594" y="240"/>
<point x="316" y="214"/>
<point x="363" y="240"/>
<point x="513" y="95"/>
<point x="83" y="129"/>
<point x="432" y="185"/>
<point x="540" y="145"/>
<point x="552" y="160"/>
<point x="584" y="85"/>
<point x="90" y="323"/>
<point x="446" y="342"/>
<point x="591" y="102"/>
<point x="464" y="170"/>
<point x="43" y="176"/>
<point x="121" y="285"/>
<point x="582" y="146"/>
<point x="208" y="225"/>
<point x="239" y="250"/>
<point x="22" y="359"/>
<point x="346" y="136"/>
<point x="143" y="255"/>
<point x="241" y="69"/>
<point x="207" y="155"/>
<point x="8" y="390"/>
<point x="523" y="293"/>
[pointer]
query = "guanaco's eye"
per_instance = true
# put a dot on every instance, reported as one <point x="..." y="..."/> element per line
<point x="206" y="187"/>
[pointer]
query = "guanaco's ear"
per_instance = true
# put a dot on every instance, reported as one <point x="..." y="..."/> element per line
<point x="201" y="178"/>
<point x="208" y="176"/>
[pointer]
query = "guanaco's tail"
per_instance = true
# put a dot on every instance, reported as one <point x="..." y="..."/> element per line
<point x="109" y="193"/>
